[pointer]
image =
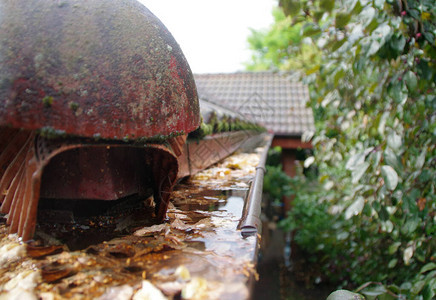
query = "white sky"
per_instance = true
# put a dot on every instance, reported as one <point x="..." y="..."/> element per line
<point x="213" y="33"/>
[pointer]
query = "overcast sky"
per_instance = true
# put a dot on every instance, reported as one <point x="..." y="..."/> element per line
<point x="213" y="33"/>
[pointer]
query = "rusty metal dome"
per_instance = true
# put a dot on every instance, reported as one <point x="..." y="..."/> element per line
<point x="107" y="69"/>
<point x="79" y="81"/>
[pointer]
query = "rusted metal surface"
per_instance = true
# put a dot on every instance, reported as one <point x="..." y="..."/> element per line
<point x="197" y="253"/>
<point x="107" y="69"/>
<point x="32" y="166"/>
<point x="88" y="90"/>
<point x="99" y="172"/>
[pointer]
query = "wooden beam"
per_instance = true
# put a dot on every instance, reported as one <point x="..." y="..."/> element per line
<point x="290" y="143"/>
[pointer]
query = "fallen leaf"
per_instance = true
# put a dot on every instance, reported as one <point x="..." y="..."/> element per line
<point x="180" y="225"/>
<point x="51" y="274"/>
<point x="38" y="252"/>
<point x="151" y="230"/>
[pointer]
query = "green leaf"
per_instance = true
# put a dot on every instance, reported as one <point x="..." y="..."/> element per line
<point x="429" y="37"/>
<point x="398" y="42"/>
<point x="392" y="263"/>
<point x="290" y="7"/>
<point x="359" y="171"/>
<point x="355" y="160"/>
<point x="327" y="5"/>
<point x="310" y="29"/>
<point x="357" y="8"/>
<point x="386" y="296"/>
<point x="372" y="293"/>
<point x="384" y="216"/>
<point x="420" y="160"/>
<point x="382" y="123"/>
<point x="379" y="3"/>
<point x="342" y="19"/>
<point x="344" y="295"/>
<point x="355" y="208"/>
<point x="391" y="158"/>
<point x="336" y="45"/>
<point x="338" y="76"/>
<point x="313" y="70"/>
<point x="370" y="27"/>
<point x="408" y="254"/>
<point x="390" y="177"/>
<point x="394" y="141"/>
<point x="410" y="226"/>
<point x="394" y="247"/>
<point x="428" y="292"/>
<point x="424" y="70"/>
<point x="428" y="267"/>
<point x="411" y="81"/>
<point x="368" y="16"/>
<point x="417" y="287"/>
<point x="405" y="286"/>
<point x="393" y="288"/>
<point x="342" y="235"/>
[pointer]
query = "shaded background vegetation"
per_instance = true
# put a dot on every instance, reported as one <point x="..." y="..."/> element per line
<point x="368" y="218"/>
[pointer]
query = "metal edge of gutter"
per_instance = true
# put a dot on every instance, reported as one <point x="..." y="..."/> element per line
<point x="250" y="223"/>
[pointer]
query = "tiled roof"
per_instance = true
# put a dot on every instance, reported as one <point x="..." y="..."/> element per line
<point x="271" y="99"/>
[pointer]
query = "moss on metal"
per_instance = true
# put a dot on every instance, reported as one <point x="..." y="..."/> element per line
<point x="224" y="124"/>
<point x="107" y="68"/>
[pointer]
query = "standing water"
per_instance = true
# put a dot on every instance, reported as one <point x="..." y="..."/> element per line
<point x="113" y="250"/>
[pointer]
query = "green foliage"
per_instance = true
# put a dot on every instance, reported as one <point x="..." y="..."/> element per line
<point x="224" y="123"/>
<point x="344" y="295"/>
<point x="281" y="46"/>
<point x="276" y="184"/>
<point x="274" y="156"/>
<point x="374" y="99"/>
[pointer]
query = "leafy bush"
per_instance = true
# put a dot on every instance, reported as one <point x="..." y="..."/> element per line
<point x="374" y="99"/>
<point x="276" y="184"/>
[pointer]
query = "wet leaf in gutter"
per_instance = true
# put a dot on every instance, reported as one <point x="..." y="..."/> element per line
<point x="151" y="230"/>
<point x="39" y="252"/>
<point x="180" y="225"/>
<point x="51" y="274"/>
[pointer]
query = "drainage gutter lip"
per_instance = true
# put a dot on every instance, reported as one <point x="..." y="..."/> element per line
<point x="250" y="223"/>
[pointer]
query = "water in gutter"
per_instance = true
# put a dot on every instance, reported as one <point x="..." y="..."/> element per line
<point x="199" y="252"/>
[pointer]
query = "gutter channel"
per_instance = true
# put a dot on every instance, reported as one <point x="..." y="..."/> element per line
<point x="251" y="224"/>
